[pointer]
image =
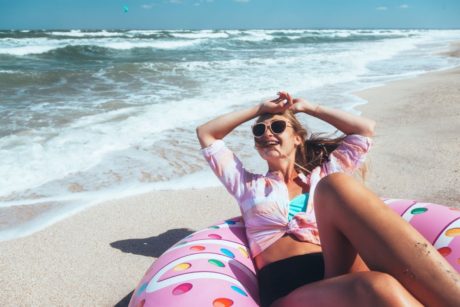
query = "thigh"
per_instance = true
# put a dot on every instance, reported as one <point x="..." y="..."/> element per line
<point x="355" y="289"/>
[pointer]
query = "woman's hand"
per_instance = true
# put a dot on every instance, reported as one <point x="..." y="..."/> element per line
<point x="297" y="104"/>
<point x="346" y="122"/>
<point x="302" y="105"/>
<point x="278" y="105"/>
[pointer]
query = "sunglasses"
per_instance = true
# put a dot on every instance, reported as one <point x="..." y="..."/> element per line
<point x="276" y="127"/>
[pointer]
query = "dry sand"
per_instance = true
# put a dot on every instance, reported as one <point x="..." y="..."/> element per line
<point x="96" y="257"/>
<point x="416" y="153"/>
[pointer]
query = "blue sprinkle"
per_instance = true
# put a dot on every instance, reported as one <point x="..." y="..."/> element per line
<point x="142" y="289"/>
<point x="227" y="252"/>
<point x="239" y="290"/>
<point x="230" y="222"/>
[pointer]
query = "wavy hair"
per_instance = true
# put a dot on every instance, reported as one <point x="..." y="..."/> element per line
<point x="314" y="150"/>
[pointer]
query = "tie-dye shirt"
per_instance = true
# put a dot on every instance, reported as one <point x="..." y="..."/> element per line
<point x="264" y="199"/>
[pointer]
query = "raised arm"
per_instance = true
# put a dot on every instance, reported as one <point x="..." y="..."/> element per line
<point x="346" y="122"/>
<point x="219" y="127"/>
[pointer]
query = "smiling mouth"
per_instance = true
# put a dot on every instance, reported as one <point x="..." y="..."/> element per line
<point x="267" y="144"/>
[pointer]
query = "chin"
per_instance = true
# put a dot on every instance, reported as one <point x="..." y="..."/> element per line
<point x="270" y="155"/>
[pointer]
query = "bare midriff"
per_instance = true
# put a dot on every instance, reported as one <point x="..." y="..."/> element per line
<point x="287" y="246"/>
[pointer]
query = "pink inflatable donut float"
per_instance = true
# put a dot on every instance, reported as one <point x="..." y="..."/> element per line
<point x="212" y="267"/>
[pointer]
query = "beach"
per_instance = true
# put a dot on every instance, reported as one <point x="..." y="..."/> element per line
<point x="97" y="256"/>
<point x="417" y="145"/>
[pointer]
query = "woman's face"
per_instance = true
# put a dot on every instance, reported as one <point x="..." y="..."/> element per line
<point x="272" y="146"/>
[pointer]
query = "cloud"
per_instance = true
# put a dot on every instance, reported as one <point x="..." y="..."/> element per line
<point x="242" y="1"/>
<point x="200" y="2"/>
<point x="147" y="6"/>
<point x="381" y="8"/>
<point x="403" y="6"/>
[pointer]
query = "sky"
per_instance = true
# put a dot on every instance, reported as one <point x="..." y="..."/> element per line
<point x="228" y="14"/>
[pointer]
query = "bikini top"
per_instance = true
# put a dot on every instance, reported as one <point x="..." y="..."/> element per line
<point x="298" y="204"/>
<point x="264" y="199"/>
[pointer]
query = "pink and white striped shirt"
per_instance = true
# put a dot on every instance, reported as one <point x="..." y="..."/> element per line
<point x="264" y="199"/>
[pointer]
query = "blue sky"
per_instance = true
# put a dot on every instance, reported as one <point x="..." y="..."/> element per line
<point x="228" y="14"/>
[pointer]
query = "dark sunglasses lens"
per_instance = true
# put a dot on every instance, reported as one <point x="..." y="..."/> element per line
<point x="278" y="126"/>
<point x="258" y="130"/>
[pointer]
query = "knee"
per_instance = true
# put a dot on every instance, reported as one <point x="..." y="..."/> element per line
<point x="333" y="187"/>
<point x="334" y="182"/>
<point x="380" y="289"/>
<point x="373" y="282"/>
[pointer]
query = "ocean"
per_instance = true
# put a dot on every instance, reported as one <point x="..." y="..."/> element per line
<point x="88" y="116"/>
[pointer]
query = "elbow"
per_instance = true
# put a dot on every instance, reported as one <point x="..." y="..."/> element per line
<point x="199" y="135"/>
<point x="203" y="136"/>
<point x="370" y="131"/>
<point x="202" y="132"/>
<point x="199" y="132"/>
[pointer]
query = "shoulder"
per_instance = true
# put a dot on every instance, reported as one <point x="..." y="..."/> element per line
<point x="357" y="139"/>
<point x="354" y="143"/>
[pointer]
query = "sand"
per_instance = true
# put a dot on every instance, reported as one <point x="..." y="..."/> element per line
<point x="416" y="153"/>
<point x="97" y="257"/>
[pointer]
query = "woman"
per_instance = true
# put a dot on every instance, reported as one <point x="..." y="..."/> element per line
<point x="367" y="254"/>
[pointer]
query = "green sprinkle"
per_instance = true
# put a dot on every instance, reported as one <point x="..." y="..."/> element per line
<point x="419" y="210"/>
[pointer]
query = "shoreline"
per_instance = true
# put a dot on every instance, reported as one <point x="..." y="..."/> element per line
<point x="98" y="255"/>
<point x="19" y="218"/>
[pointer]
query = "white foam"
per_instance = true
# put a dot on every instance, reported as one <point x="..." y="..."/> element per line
<point x="25" y="50"/>
<point x="200" y="34"/>
<point x="145" y="32"/>
<point x="165" y="44"/>
<point x="21" y="47"/>
<point x="79" y="33"/>
<point x="255" y="36"/>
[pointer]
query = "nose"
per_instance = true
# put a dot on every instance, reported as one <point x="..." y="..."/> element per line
<point x="268" y="131"/>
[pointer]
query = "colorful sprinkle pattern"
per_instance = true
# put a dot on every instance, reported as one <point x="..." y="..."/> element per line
<point x="212" y="267"/>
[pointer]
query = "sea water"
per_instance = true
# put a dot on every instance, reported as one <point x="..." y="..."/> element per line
<point x="87" y="116"/>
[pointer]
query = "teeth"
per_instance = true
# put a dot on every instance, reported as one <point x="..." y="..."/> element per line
<point x="271" y="143"/>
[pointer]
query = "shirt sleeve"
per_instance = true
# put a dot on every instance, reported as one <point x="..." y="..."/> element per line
<point x="227" y="167"/>
<point x="349" y="155"/>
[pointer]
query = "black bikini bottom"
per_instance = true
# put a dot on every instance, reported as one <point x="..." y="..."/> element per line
<point x="279" y="278"/>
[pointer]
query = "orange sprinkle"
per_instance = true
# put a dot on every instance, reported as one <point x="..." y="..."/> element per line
<point x="222" y="302"/>
<point x="453" y="232"/>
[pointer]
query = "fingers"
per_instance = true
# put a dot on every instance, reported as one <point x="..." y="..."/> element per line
<point x="289" y="100"/>
<point x="276" y="100"/>
<point x="287" y="97"/>
<point x="282" y="94"/>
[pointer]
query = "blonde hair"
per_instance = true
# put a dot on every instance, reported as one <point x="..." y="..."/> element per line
<point x="314" y="150"/>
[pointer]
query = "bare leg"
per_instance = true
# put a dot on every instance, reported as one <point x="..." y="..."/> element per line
<point x="351" y="220"/>
<point x="356" y="289"/>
